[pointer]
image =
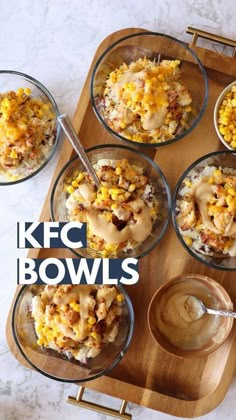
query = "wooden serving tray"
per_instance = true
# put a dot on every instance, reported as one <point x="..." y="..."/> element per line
<point x="147" y="375"/>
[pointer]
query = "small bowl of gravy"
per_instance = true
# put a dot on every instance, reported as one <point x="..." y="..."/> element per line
<point x="177" y="325"/>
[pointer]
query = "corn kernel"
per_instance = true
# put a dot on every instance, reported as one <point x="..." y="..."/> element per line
<point x="118" y="171"/>
<point x="40" y="342"/>
<point x="119" y="298"/>
<point x="13" y="154"/>
<point x="115" y="190"/>
<point x="161" y="78"/>
<point x="188" y="240"/>
<point x="94" y="335"/>
<point x="92" y="320"/>
<point x="188" y="108"/>
<point x="20" y="92"/>
<point x="188" y="183"/>
<point x="70" y="189"/>
<point x="27" y="91"/>
<point x="122" y="125"/>
<point x="232" y="191"/>
<point x="132" y="187"/>
<point x="104" y="190"/>
<point x="114" y="206"/>
<point x="211" y="180"/>
<point x="75" y="306"/>
<point x="75" y="184"/>
<point x="80" y="177"/>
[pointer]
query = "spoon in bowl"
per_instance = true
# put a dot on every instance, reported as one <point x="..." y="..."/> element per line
<point x="70" y="132"/>
<point x="201" y="309"/>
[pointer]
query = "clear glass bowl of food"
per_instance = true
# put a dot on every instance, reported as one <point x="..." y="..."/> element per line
<point x="149" y="89"/>
<point x="128" y="215"/>
<point x="176" y="323"/>
<point x="225" y="116"/>
<point x="73" y="333"/>
<point x="29" y="131"/>
<point x="204" y="210"/>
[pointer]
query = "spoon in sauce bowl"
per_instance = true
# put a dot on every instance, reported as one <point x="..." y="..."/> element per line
<point x="197" y="307"/>
<point x="70" y="132"/>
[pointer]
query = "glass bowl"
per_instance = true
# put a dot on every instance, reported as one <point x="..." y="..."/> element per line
<point x="211" y="241"/>
<point x="20" y="157"/>
<point x="56" y="366"/>
<point x="59" y="195"/>
<point x="230" y="144"/>
<point x="176" y="327"/>
<point x="150" y="112"/>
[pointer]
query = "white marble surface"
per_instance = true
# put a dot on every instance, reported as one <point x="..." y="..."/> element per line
<point x="54" y="41"/>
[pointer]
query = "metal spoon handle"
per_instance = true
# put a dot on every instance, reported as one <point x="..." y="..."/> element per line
<point x="72" y="136"/>
<point x="221" y="312"/>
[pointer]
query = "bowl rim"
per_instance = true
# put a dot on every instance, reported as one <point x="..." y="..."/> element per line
<point x="58" y="127"/>
<point x="97" y="375"/>
<point x="215" y="114"/>
<point x="135" y="151"/>
<point x="188" y="354"/>
<point x="176" y="227"/>
<point x="140" y="144"/>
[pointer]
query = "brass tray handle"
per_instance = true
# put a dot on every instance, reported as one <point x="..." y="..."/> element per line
<point x="119" y="414"/>
<point x="212" y="37"/>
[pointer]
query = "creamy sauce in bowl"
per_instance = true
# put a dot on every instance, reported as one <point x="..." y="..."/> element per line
<point x="181" y="319"/>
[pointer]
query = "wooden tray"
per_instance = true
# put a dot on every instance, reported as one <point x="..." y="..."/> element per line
<point x="147" y="375"/>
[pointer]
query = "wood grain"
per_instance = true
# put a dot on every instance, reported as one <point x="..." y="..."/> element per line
<point x="147" y="375"/>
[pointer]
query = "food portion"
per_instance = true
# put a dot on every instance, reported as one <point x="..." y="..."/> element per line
<point x="206" y="211"/>
<point x="180" y="319"/>
<point x="145" y="101"/>
<point x="27" y="133"/>
<point x="227" y="117"/>
<point x="121" y="213"/>
<point x="77" y="321"/>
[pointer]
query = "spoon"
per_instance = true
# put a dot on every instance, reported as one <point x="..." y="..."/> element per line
<point x="70" y="132"/>
<point x="201" y="309"/>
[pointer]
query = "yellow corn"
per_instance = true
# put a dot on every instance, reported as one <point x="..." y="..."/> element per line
<point x="74" y="184"/>
<point x="227" y="117"/>
<point x="119" y="298"/>
<point x="114" y="206"/>
<point x="80" y="177"/>
<point x="211" y="180"/>
<point x="27" y="91"/>
<point x="132" y="187"/>
<point x="118" y="171"/>
<point x="70" y="189"/>
<point x="40" y="342"/>
<point x="212" y="209"/>
<point x="104" y="190"/>
<point x="188" y="240"/>
<point x="75" y="306"/>
<point x="20" y="92"/>
<point x="231" y="191"/>
<point x="122" y="125"/>
<point x="115" y="190"/>
<point x="188" y="183"/>
<point x="13" y="154"/>
<point x="91" y="320"/>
